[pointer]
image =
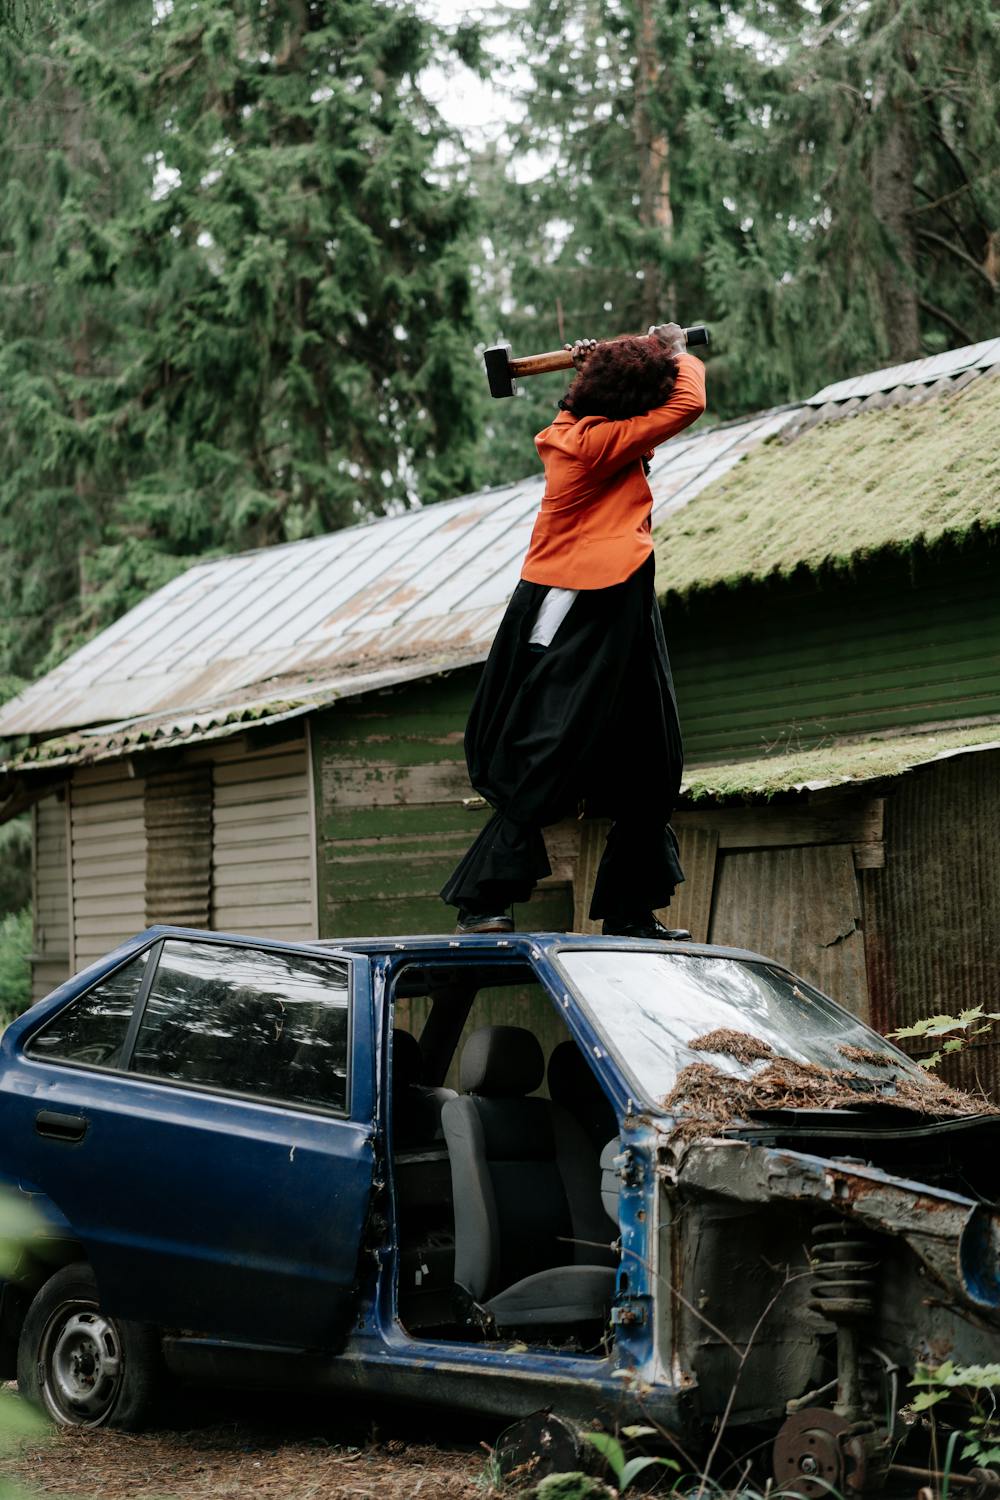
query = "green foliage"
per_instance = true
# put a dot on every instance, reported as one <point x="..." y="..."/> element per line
<point x="626" y="1469"/>
<point x="15" y="865"/>
<point x="235" y="299"/>
<point x="18" y="1222"/>
<point x="959" y="1031"/>
<point x="574" y="1485"/>
<point x="976" y="1387"/>
<point x="817" y="182"/>
<point x="15" y="967"/>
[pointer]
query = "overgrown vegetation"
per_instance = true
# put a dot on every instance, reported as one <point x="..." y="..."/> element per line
<point x="881" y="479"/>
<point x="771" y="775"/>
<point x="957" y="1031"/>
<point x="973" y="1414"/>
<point x="15" y="967"/>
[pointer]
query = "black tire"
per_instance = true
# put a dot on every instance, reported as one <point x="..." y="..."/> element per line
<point x="81" y="1367"/>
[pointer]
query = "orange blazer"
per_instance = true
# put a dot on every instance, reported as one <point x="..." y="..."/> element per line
<point x="593" y="526"/>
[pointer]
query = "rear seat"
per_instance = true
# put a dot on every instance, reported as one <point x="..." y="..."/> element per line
<point x="423" y="1190"/>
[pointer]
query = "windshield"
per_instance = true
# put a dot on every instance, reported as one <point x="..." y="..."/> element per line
<point x="661" y="1013"/>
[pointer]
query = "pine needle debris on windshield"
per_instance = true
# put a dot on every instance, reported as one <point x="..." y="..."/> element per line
<point x="737" y="1044"/>
<point x="709" y="1099"/>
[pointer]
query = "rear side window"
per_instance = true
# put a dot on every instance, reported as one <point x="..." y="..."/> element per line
<point x="93" y="1029"/>
<point x="269" y="1024"/>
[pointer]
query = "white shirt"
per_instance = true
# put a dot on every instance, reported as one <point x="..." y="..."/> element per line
<point x="551" y="612"/>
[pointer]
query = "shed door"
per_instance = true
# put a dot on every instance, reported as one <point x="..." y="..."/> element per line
<point x="801" y="906"/>
<point x="220" y="1173"/>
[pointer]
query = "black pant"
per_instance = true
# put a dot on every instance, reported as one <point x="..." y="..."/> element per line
<point x="591" y="719"/>
<point x="638" y="871"/>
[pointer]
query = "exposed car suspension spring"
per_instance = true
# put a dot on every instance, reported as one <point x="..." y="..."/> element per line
<point x="846" y="1262"/>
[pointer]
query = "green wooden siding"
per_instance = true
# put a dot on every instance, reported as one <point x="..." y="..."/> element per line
<point x="390" y="783"/>
<point x="763" y="670"/>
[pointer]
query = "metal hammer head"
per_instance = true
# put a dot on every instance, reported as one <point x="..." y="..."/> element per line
<point x="498" y="372"/>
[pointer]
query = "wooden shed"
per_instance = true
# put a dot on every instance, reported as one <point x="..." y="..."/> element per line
<point x="273" y="742"/>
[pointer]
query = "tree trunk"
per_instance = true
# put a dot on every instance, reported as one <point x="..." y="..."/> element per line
<point x="892" y="171"/>
<point x="653" y="152"/>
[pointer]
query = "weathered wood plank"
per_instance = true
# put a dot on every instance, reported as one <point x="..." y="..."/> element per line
<point x="852" y="820"/>
<point x="383" y="786"/>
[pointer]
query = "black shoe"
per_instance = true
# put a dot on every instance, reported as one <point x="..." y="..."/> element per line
<point x="477" y="921"/>
<point x="644" y="925"/>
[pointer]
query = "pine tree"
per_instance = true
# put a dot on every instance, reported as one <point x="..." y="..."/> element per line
<point x="610" y="230"/>
<point x="64" y="174"/>
<point x="262" y="322"/>
<point x="871" y="200"/>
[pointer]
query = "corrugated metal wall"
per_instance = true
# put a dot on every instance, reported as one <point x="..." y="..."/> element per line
<point x="50" y="894"/>
<point x="758" y="671"/>
<point x="390" y="787"/>
<point x="178" y="814"/>
<point x="933" y="912"/>
<point x="263" y="839"/>
<point x="107" y="859"/>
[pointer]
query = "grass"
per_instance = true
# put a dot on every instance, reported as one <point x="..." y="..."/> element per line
<point x="883" y="479"/>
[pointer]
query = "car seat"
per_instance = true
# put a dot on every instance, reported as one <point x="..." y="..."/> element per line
<point x="530" y="1227"/>
<point x="573" y="1084"/>
<point x="416" y="1108"/>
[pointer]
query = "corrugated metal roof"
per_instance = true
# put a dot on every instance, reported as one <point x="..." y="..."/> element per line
<point x="918" y="372"/>
<point x="329" y="616"/>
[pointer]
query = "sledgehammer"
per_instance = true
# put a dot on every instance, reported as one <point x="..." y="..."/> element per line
<point x="501" y="370"/>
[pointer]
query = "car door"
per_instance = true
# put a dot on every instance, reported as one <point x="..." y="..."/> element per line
<point x="203" y="1118"/>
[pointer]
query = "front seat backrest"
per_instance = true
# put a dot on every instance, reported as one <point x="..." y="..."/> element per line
<point x="573" y="1084"/>
<point x="527" y="1196"/>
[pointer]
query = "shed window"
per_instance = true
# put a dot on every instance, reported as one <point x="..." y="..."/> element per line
<point x="93" y="1029"/>
<point x="248" y="1021"/>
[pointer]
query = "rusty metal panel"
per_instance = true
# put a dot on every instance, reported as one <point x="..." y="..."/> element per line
<point x="932" y="914"/>
<point x="800" y="906"/>
<point x="178" y="817"/>
<point x="50" y="957"/>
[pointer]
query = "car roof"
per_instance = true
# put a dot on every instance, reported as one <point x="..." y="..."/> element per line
<point x="534" y="943"/>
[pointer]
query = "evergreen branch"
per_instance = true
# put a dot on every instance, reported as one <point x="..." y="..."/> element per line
<point x="933" y="203"/>
<point x="966" y="259"/>
<point x="946" y="319"/>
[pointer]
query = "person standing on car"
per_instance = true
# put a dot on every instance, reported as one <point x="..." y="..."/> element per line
<point x="576" y="702"/>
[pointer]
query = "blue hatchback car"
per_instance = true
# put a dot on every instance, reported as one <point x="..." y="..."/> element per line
<point x="700" y="1191"/>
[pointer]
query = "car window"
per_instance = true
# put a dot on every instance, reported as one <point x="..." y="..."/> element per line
<point x="265" y="1023"/>
<point x="93" y="1028"/>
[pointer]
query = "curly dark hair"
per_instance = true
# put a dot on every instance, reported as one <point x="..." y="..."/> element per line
<point x="622" y="378"/>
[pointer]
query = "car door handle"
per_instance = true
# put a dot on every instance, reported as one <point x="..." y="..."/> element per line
<point x="59" y="1127"/>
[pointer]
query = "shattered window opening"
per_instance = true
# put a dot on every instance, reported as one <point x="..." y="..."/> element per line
<point x="663" y="1012"/>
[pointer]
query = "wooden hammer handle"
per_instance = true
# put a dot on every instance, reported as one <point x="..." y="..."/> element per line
<point x="541" y="364"/>
<point x="562" y="359"/>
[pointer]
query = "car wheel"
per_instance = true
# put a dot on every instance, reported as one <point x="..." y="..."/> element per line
<point x="80" y="1366"/>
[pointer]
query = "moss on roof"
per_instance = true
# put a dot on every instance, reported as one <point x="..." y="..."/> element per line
<point x="880" y="479"/>
<point x="859" y="760"/>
